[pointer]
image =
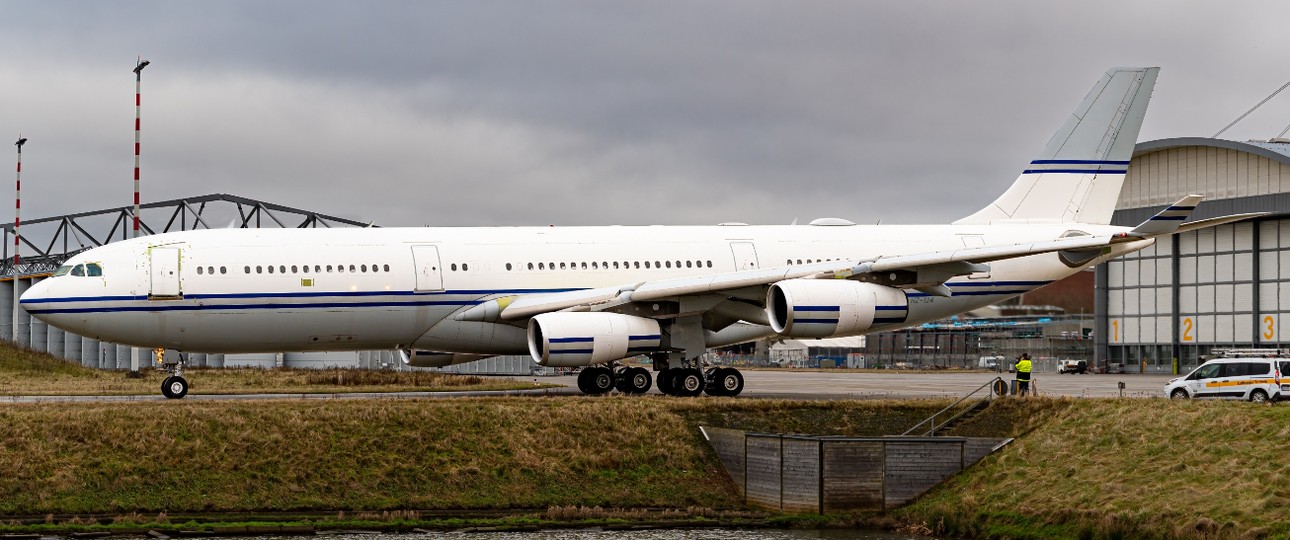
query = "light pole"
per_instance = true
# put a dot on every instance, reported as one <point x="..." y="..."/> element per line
<point x="17" y="204"/>
<point x="138" y="106"/>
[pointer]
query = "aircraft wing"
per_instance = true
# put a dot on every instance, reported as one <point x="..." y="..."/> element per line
<point x="919" y="271"/>
<point x="926" y="272"/>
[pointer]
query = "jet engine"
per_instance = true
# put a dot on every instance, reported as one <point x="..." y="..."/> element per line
<point x="818" y="308"/>
<point x="584" y="339"/>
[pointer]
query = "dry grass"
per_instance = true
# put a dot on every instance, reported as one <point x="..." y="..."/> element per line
<point x="376" y="455"/>
<point x="1126" y="468"/>
<point x="25" y="372"/>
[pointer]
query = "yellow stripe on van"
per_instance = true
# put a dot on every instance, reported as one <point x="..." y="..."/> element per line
<point x="1220" y="384"/>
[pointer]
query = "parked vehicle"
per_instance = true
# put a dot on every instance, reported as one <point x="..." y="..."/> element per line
<point x="1251" y="375"/>
<point x="1073" y="366"/>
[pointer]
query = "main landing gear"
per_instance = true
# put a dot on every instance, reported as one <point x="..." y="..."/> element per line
<point x="690" y="382"/>
<point x="598" y="380"/>
<point x="683" y="382"/>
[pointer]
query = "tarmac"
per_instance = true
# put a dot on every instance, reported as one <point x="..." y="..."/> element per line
<point x="766" y="384"/>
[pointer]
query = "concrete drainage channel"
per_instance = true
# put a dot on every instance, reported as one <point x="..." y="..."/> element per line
<point x="822" y="474"/>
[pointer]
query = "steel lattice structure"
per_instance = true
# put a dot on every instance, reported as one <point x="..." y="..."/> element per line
<point x="55" y="239"/>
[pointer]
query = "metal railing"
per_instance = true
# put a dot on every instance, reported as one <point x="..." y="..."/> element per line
<point x="990" y="394"/>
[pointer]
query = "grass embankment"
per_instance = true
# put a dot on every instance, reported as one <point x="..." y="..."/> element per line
<point x="24" y="372"/>
<point x="1128" y="468"/>
<point x="376" y="455"/>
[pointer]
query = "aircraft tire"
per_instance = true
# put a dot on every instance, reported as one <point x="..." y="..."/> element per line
<point x="601" y="380"/>
<point x="638" y="380"/>
<point x="727" y="382"/>
<point x="664" y="379"/>
<point x="583" y="377"/>
<point x="174" y="387"/>
<point x="688" y="382"/>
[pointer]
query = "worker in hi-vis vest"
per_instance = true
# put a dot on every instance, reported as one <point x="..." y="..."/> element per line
<point x="1023" y="374"/>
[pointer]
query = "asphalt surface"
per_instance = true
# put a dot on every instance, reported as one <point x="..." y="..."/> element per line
<point x="838" y="384"/>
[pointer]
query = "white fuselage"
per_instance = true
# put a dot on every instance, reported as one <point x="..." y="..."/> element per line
<point x="270" y="290"/>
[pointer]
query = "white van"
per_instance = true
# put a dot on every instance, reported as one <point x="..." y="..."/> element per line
<point x="1256" y="379"/>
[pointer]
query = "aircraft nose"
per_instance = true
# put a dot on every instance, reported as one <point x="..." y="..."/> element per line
<point x="35" y="298"/>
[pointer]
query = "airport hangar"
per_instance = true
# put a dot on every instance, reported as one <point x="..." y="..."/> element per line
<point x="1224" y="287"/>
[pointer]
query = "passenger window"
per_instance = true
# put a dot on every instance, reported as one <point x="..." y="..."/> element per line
<point x="282" y="269"/>
<point x="294" y="269"/>
<point x="318" y="269"/>
<point x="454" y="267"/>
<point x="508" y="267"/>
<point x="259" y="269"/>
<point x="387" y="267"/>
<point x="688" y="264"/>
<point x="223" y="270"/>
<point x="584" y="265"/>
<point x="709" y="264"/>
<point x="363" y="268"/>
<point x="247" y="269"/>
<point x="209" y="270"/>
<point x="340" y="268"/>
<point x="562" y="266"/>
<point x="329" y="268"/>
<point x="669" y="264"/>
<point x="638" y="264"/>
<point x="270" y="269"/>
<point x="463" y="268"/>
<point x="200" y="270"/>
<point x="530" y="266"/>
<point x="646" y="264"/>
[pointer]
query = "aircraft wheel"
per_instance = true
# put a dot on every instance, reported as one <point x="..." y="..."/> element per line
<point x="601" y="380"/>
<point x="174" y="387"/>
<point x="688" y="382"/>
<point x="664" y="379"/>
<point x="729" y="382"/>
<point x="584" y="377"/>
<point x="638" y="381"/>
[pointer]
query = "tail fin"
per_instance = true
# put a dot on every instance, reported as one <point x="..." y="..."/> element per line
<point x="1078" y="175"/>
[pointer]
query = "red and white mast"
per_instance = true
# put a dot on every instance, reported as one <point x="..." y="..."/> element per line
<point x="138" y="106"/>
<point x="17" y="202"/>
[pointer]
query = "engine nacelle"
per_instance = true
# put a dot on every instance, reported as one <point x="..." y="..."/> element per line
<point x="586" y="339"/>
<point x="818" y="308"/>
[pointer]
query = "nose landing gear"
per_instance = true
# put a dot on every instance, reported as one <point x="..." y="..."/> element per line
<point x="175" y="386"/>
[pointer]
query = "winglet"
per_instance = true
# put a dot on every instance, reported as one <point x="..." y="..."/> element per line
<point x="1168" y="220"/>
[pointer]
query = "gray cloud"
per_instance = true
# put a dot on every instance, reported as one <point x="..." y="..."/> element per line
<point x="472" y="113"/>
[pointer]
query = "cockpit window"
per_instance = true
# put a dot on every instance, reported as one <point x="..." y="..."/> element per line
<point x="80" y="270"/>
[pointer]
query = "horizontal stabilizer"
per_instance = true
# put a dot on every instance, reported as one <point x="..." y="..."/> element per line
<point x="1168" y="220"/>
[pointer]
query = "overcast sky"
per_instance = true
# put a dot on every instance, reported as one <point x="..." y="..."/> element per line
<point x="586" y="113"/>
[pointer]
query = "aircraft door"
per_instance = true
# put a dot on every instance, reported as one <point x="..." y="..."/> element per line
<point x="745" y="255"/>
<point x="429" y="271"/>
<point x="164" y="263"/>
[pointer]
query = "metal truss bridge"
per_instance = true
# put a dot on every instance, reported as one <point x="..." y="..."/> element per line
<point x="55" y="239"/>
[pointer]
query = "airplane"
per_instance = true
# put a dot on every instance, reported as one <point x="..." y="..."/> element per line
<point x="592" y="297"/>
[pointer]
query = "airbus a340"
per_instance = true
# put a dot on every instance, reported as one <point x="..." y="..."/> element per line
<point x="593" y="296"/>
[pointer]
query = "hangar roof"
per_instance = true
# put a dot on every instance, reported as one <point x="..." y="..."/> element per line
<point x="1276" y="151"/>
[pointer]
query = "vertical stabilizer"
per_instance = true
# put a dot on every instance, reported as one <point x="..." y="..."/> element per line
<point x="1077" y="176"/>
